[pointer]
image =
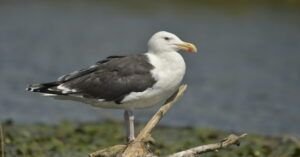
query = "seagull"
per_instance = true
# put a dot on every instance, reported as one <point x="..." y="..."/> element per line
<point x="126" y="82"/>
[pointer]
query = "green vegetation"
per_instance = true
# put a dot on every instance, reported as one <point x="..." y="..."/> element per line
<point x="76" y="140"/>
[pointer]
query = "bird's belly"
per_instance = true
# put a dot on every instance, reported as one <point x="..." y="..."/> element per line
<point x="134" y="100"/>
<point x="146" y="99"/>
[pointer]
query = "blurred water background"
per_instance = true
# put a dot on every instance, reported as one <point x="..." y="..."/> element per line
<point x="246" y="76"/>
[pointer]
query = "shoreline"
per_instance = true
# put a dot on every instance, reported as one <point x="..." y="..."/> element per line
<point x="78" y="139"/>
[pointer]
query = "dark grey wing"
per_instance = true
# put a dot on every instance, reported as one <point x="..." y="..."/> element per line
<point x="52" y="87"/>
<point x="85" y="71"/>
<point x="113" y="79"/>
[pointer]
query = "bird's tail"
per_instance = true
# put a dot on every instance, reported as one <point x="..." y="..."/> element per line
<point x="43" y="87"/>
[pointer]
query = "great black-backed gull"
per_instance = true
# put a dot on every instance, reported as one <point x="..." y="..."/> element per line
<point x="126" y="82"/>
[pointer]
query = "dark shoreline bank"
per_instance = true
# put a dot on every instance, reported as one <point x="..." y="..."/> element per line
<point x="78" y="139"/>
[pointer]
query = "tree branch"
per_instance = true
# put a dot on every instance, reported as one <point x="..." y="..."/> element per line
<point x="192" y="152"/>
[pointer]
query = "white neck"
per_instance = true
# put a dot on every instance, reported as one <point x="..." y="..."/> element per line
<point x="169" y="67"/>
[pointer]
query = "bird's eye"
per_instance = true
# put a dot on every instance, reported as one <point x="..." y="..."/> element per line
<point x="167" y="38"/>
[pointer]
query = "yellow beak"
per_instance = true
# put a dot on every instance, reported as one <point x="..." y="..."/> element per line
<point x="188" y="47"/>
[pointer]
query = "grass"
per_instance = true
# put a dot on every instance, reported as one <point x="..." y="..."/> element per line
<point x="76" y="140"/>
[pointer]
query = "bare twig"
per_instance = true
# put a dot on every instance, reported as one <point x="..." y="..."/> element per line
<point x="192" y="152"/>
<point x="1" y="141"/>
<point x="108" y="152"/>
<point x="137" y="147"/>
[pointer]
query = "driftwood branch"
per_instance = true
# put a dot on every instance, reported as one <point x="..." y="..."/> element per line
<point x="139" y="147"/>
<point x="230" y="140"/>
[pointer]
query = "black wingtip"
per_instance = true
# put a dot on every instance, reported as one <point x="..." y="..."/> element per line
<point x="41" y="87"/>
<point x="30" y="89"/>
<point x="33" y="87"/>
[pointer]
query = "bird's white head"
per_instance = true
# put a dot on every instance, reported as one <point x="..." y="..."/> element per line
<point x="167" y="42"/>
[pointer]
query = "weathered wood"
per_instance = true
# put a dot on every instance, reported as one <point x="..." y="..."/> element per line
<point x="196" y="151"/>
<point x="108" y="152"/>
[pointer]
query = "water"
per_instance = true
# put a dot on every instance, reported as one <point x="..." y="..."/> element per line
<point x="246" y="76"/>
